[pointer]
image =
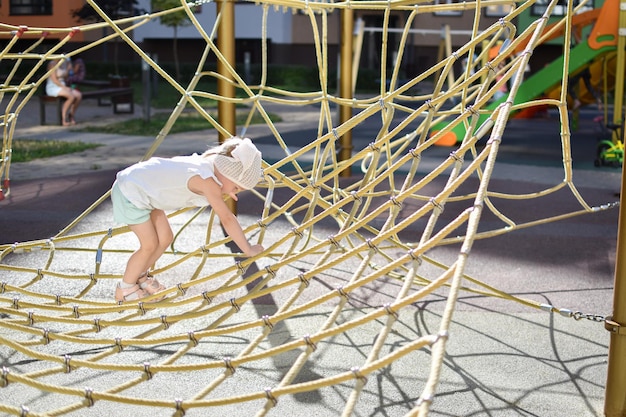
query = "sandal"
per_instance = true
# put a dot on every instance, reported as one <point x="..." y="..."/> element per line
<point x="150" y="285"/>
<point x="129" y="294"/>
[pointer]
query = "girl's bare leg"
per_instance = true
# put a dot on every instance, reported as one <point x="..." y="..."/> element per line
<point x="164" y="233"/>
<point x="139" y="261"/>
<point x="78" y="96"/>
<point x="69" y="100"/>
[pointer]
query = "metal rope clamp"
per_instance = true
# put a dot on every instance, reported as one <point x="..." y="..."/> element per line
<point x="613" y="326"/>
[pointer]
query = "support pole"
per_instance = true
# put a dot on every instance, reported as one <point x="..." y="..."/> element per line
<point x="345" y="89"/>
<point x="615" y="399"/>
<point x="618" y="108"/>
<point x="445" y="49"/>
<point x="226" y="44"/>
<point x="358" y="47"/>
<point x="146" y="89"/>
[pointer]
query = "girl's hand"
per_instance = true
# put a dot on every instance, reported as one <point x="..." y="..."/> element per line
<point x="255" y="250"/>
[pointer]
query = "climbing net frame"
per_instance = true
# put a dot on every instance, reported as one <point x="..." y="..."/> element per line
<point x="215" y="324"/>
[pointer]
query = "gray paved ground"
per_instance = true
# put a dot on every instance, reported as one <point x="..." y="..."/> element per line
<point x="502" y="359"/>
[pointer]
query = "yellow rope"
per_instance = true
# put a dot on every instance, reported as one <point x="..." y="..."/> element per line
<point x="348" y="232"/>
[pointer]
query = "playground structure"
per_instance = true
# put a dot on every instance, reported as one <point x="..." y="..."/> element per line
<point x="597" y="53"/>
<point x="368" y="234"/>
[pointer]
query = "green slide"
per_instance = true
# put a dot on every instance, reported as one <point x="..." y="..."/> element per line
<point x="540" y="82"/>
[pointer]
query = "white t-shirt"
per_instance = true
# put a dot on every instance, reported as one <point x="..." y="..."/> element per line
<point x="162" y="183"/>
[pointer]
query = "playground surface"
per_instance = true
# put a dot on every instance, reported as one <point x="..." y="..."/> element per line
<point x="502" y="358"/>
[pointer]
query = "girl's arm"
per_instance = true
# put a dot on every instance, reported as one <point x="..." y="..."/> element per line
<point x="53" y="74"/>
<point x="213" y="193"/>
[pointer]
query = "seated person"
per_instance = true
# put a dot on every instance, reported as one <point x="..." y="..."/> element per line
<point x="584" y="75"/>
<point x="573" y="86"/>
<point x="78" y="71"/>
<point x="56" y="87"/>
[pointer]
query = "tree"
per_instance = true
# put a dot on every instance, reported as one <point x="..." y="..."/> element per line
<point x="115" y="9"/>
<point x="173" y="20"/>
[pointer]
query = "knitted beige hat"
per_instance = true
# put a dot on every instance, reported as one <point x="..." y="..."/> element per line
<point x="243" y="167"/>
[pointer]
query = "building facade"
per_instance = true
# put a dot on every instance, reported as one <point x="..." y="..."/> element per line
<point x="289" y="33"/>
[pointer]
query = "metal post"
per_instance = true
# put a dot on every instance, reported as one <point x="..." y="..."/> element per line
<point x="226" y="44"/>
<point x="147" y="86"/>
<point x="154" y="79"/>
<point x="345" y="89"/>
<point x="359" y="32"/>
<point x="246" y="65"/>
<point x="615" y="399"/>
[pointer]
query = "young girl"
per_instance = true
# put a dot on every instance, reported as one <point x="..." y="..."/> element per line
<point x="142" y="192"/>
<point x="56" y="87"/>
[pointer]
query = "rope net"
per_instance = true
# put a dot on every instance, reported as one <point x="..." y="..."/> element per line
<point x="332" y="242"/>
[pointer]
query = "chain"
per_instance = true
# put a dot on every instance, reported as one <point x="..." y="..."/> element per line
<point x="593" y="317"/>
<point x="576" y="315"/>
<point x="609" y="324"/>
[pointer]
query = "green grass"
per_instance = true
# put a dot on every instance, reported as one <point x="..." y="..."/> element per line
<point x="186" y="122"/>
<point x="25" y="150"/>
<point x="166" y="96"/>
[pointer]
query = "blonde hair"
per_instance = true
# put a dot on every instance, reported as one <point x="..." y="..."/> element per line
<point x="225" y="148"/>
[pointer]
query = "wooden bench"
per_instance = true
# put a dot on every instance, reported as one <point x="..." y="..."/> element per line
<point x="95" y="83"/>
<point x="116" y="94"/>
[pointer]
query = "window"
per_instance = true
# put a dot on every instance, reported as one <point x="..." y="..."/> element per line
<point x="447" y="12"/>
<point x="540" y="7"/>
<point x="30" y="7"/>
<point x="498" y="10"/>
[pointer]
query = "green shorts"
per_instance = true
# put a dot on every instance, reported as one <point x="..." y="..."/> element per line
<point x="126" y="212"/>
